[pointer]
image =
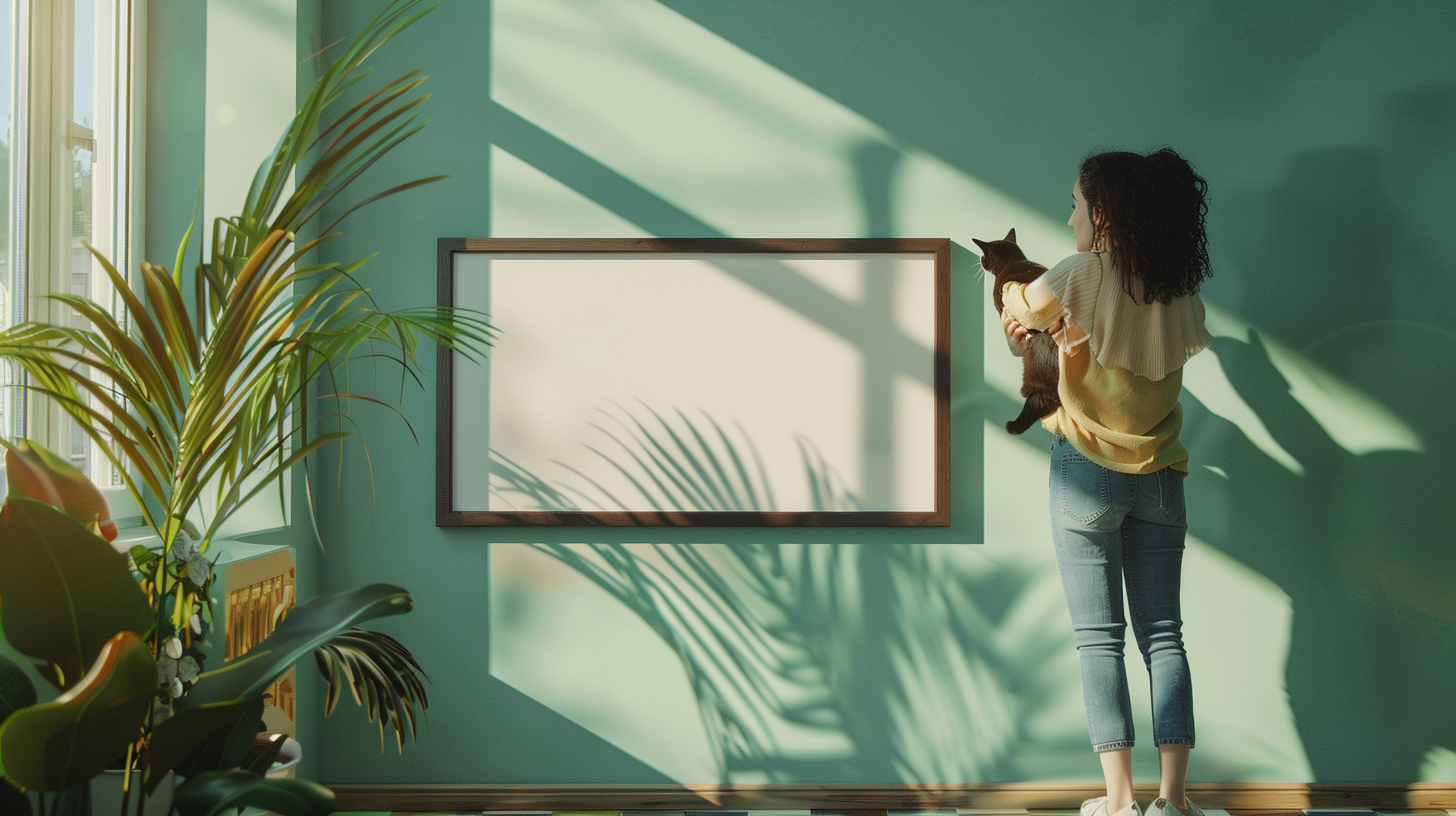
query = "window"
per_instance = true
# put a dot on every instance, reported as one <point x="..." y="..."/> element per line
<point x="67" y="145"/>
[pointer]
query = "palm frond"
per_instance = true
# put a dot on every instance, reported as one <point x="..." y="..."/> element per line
<point x="382" y="676"/>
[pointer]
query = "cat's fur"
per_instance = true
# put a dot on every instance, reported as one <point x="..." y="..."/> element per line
<point x="1040" y="369"/>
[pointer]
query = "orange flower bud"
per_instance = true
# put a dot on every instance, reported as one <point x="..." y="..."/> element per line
<point x="36" y="473"/>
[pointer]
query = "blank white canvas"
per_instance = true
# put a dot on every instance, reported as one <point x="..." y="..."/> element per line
<point x="590" y="343"/>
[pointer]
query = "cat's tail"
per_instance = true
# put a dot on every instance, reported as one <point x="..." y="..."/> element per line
<point x="1038" y="404"/>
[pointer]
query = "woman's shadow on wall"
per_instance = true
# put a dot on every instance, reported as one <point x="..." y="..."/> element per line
<point x="1360" y="540"/>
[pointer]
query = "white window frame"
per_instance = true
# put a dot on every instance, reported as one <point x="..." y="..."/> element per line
<point x="41" y="170"/>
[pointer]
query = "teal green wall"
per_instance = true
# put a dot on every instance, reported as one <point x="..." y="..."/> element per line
<point x="1320" y="591"/>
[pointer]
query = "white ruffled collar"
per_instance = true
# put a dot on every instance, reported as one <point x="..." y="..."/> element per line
<point x="1151" y="340"/>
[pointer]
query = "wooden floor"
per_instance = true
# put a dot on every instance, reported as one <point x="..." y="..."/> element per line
<point x="941" y="812"/>
<point x="1009" y="799"/>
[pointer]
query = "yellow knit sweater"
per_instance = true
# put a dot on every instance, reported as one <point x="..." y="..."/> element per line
<point x="1114" y="417"/>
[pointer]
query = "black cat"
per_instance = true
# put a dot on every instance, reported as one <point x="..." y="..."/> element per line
<point x="1040" y="369"/>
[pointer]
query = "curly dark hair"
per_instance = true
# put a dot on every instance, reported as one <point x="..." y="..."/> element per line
<point x="1148" y="211"/>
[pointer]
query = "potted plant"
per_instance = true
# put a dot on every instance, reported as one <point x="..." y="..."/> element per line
<point x="200" y="399"/>
<point x="71" y="603"/>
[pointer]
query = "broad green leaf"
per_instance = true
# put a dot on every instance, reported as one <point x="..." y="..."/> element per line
<point x="66" y="591"/>
<point x="213" y="792"/>
<point x="306" y="628"/>
<point x="263" y="753"/>
<point x="55" y="745"/>
<point x="212" y="737"/>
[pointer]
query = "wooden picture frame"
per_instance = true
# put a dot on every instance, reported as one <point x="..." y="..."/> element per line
<point x="715" y="372"/>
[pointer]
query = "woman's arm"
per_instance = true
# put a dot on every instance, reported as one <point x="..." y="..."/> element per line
<point x="1032" y="305"/>
<point x="1028" y="307"/>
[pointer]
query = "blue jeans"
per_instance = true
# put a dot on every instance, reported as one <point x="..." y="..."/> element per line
<point x="1111" y="528"/>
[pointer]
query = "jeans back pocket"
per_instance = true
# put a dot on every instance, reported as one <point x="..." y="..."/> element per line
<point x="1084" y="487"/>
<point x="1171" y="507"/>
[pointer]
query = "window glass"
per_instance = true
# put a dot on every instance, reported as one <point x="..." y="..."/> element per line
<point x="61" y="150"/>
<point x="7" y="196"/>
<point x="81" y="139"/>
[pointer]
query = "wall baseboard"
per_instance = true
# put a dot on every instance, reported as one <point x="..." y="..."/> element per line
<point x="1242" y="796"/>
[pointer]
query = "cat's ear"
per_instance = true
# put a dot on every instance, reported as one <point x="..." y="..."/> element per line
<point x="1011" y="236"/>
<point x="981" y="244"/>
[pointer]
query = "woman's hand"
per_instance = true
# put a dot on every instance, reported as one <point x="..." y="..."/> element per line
<point x="1015" y="332"/>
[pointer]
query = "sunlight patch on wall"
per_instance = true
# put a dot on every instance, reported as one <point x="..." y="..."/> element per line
<point x="681" y="112"/>
<point x="1356" y="421"/>
<point x="1204" y="377"/>
<point x="556" y="634"/>
<point x="551" y="631"/>
<point x="251" y="57"/>
<point x="724" y="137"/>
<point x="1245" y="724"/>
<point x="949" y="722"/>
<point x="1439" y="765"/>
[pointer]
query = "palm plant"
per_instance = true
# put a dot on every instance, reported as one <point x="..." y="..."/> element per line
<point x="200" y="398"/>
<point x="201" y="395"/>
<point x="72" y="605"/>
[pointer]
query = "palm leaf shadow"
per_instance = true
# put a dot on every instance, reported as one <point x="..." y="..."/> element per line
<point x="689" y="465"/>
<point x="917" y="666"/>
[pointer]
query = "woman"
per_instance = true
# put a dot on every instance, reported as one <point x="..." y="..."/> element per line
<point x="1126" y="316"/>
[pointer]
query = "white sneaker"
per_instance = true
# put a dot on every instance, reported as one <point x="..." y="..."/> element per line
<point x="1162" y="807"/>
<point x="1098" y="807"/>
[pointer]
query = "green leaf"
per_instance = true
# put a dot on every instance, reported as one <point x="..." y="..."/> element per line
<point x="214" y="792"/>
<point x="143" y="557"/>
<point x="263" y="753"/>
<point x="379" y="669"/>
<point x="206" y="738"/>
<point x="16" y="690"/>
<point x="304" y="630"/>
<point x="66" y="591"/>
<point x="62" y="743"/>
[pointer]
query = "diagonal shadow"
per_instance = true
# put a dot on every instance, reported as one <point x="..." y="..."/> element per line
<point x="888" y="352"/>
<point x="528" y="734"/>
<point x="612" y="191"/>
